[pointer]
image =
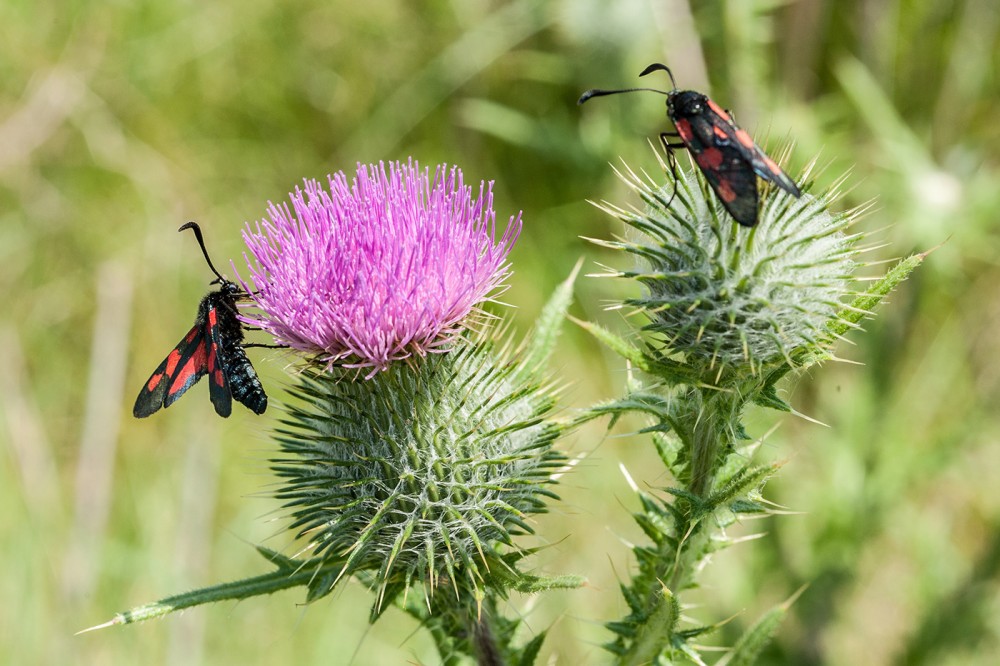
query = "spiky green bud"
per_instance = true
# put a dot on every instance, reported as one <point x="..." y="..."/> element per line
<point x="722" y="297"/>
<point x="423" y="473"/>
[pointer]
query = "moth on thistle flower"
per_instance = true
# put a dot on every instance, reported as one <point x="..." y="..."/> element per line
<point x="724" y="152"/>
<point x="214" y="347"/>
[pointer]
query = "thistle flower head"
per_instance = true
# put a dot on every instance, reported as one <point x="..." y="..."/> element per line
<point x="421" y="474"/>
<point x="379" y="268"/>
<point x="725" y="297"/>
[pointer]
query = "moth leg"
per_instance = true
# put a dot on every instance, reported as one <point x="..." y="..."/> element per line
<point x="262" y="345"/>
<point x="671" y="159"/>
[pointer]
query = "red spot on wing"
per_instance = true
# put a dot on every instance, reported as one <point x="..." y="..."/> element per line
<point x="709" y="159"/>
<point x="724" y="191"/>
<point x="217" y="374"/>
<point x="684" y="129"/>
<point x="189" y="370"/>
<point x="744" y="138"/>
<point x="772" y="167"/>
<point x="213" y="318"/>
<point x="720" y="132"/>
<point x="173" y="358"/>
<point x="154" y="381"/>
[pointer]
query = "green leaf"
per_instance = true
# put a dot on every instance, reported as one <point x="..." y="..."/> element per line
<point x="303" y="572"/>
<point x="757" y="637"/>
<point x="768" y="396"/>
<point x="866" y="302"/>
<point x="649" y="403"/>
<point x="542" y="340"/>
<point x="281" y="561"/>
<point x="530" y="651"/>
<point x="748" y="478"/>
<point x="747" y="506"/>
<point x="528" y="584"/>
<point x="656" y="633"/>
<point x="617" y="344"/>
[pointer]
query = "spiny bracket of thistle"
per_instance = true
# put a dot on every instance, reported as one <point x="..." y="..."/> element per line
<point x="725" y="301"/>
<point x="424" y="475"/>
<point x="727" y="312"/>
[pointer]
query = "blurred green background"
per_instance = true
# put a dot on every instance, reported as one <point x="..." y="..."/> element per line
<point x="121" y="120"/>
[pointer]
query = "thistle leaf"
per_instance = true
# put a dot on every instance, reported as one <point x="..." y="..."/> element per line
<point x="542" y="339"/>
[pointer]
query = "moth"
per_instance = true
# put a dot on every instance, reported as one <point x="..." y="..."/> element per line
<point x="214" y="346"/>
<point x="724" y="152"/>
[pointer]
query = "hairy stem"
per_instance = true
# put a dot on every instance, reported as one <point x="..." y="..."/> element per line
<point x="487" y="653"/>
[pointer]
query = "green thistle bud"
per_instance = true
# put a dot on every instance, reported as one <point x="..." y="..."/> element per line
<point x="422" y="473"/>
<point x="724" y="298"/>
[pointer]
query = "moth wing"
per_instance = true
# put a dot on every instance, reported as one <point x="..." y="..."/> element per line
<point x="727" y="132"/>
<point x="735" y="183"/>
<point x="767" y="169"/>
<point x="179" y="371"/>
<point x="711" y="137"/>
<point x="217" y="367"/>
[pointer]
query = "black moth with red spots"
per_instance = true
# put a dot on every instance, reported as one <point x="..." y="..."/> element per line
<point x="726" y="154"/>
<point x="213" y="347"/>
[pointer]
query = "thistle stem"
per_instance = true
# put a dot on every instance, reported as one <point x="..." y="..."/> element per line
<point x="487" y="653"/>
<point x="712" y="433"/>
<point x="654" y="633"/>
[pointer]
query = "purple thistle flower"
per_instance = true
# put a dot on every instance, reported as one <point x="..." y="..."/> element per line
<point x="378" y="269"/>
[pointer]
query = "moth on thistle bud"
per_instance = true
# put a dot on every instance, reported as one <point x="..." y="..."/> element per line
<point x="727" y="156"/>
<point x="724" y="297"/>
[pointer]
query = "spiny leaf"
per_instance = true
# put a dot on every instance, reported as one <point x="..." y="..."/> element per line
<point x="757" y="637"/>
<point x="767" y="396"/>
<point x="542" y="340"/>
<point x="617" y="344"/>
<point x="282" y="562"/>
<point x="530" y="651"/>
<point x="246" y="588"/>
<point x="748" y="478"/>
<point x="656" y="633"/>
<point x="872" y="296"/>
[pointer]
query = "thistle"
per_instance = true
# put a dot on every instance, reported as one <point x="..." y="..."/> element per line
<point x="418" y="442"/>
<point x="733" y="301"/>
<point x="379" y="269"/>
<point x="727" y="311"/>
<point x="422" y="475"/>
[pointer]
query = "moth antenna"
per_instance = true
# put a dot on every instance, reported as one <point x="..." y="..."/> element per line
<point x="601" y="93"/>
<point x="193" y="226"/>
<point x="660" y="67"/>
